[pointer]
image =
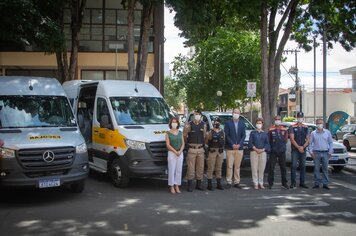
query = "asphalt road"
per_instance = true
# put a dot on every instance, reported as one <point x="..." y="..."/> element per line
<point x="146" y="208"/>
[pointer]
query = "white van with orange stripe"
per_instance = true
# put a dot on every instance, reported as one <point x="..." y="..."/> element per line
<point x="124" y="125"/>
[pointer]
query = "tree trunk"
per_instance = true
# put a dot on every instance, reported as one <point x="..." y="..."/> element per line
<point x="142" y="55"/>
<point x="264" y="66"/>
<point x="272" y="52"/>
<point x="131" y="39"/>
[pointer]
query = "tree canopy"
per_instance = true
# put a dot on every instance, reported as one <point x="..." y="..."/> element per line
<point x="224" y="62"/>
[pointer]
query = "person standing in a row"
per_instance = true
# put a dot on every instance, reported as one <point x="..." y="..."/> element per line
<point x="321" y="148"/>
<point x="194" y="135"/>
<point x="278" y="138"/>
<point x="175" y="146"/>
<point x="259" y="146"/>
<point x="299" y="138"/>
<point x="235" y="133"/>
<point x="216" y="142"/>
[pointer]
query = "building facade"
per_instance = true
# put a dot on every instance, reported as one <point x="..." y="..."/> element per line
<point x="103" y="47"/>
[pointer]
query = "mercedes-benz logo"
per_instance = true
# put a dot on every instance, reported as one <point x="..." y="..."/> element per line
<point x="48" y="156"/>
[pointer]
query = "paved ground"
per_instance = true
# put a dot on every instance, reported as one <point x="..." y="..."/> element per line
<point x="351" y="166"/>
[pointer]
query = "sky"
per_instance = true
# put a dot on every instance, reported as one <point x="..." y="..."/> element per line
<point x="337" y="59"/>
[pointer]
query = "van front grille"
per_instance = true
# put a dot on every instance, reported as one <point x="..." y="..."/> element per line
<point x="159" y="149"/>
<point x="35" y="159"/>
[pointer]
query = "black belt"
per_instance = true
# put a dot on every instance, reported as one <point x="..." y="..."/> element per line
<point x="196" y="147"/>
<point x="321" y="151"/>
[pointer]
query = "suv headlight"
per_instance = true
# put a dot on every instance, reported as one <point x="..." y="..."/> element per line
<point x="135" y="144"/>
<point x="82" y="148"/>
<point x="344" y="150"/>
<point x="7" y="153"/>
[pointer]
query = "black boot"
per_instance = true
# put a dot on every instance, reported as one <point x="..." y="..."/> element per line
<point x="199" y="186"/>
<point x="210" y="185"/>
<point x="219" y="186"/>
<point x="190" y="185"/>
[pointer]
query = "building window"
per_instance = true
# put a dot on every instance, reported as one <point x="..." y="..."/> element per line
<point x="103" y="75"/>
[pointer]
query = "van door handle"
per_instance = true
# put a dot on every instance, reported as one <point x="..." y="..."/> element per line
<point x="96" y="131"/>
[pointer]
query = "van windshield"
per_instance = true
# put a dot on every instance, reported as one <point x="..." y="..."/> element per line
<point x="140" y="110"/>
<point x="35" y="111"/>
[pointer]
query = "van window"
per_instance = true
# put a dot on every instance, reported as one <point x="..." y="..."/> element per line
<point x="35" y="111"/>
<point x="140" y="110"/>
<point x="102" y="110"/>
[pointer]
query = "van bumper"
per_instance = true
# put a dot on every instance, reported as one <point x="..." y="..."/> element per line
<point x="144" y="162"/>
<point x="12" y="174"/>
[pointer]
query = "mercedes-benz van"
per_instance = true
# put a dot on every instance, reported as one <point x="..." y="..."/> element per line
<point x="124" y="125"/>
<point x="43" y="146"/>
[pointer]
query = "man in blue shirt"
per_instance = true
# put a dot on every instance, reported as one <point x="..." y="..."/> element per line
<point x="235" y="133"/>
<point x="321" y="148"/>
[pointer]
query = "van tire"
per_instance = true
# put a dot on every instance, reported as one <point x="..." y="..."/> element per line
<point x="119" y="173"/>
<point x="338" y="168"/>
<point x="77" y="187"/>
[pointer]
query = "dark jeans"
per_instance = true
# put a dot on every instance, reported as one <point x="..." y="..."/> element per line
<point x="281" y="157"/>
<point x="298" y="157"/>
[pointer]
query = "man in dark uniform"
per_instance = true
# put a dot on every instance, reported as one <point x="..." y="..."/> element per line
<point x="194" y="133"/>
<point x="299" y="138"/>
<point x="216" y="142"/>
<point x="278" y="138"/>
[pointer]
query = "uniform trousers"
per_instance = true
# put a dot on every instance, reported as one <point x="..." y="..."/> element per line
<point x="195" y="162"/>
<point x="281" y="156"/>
<point x="215" y="160"/>
<point x="175" y="164"/>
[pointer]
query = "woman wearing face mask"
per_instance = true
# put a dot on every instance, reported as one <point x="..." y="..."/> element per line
<point x="259" y="146"/>
<point x="175" y="146"/>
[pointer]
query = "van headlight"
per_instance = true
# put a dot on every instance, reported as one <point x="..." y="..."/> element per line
<point x="82" y="148"/>
<point x="135" y="144"/>
<point x="344" y="150"/>
<point x="7" y="153"/>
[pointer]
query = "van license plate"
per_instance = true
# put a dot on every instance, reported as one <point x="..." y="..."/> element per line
<point x="334" y="158"/>
<point x="49" y="183"/>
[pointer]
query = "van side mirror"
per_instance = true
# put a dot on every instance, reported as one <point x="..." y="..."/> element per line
<point x="104" y="122"/>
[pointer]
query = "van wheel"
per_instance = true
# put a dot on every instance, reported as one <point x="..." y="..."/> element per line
<point x="77" y="187"/>
<point x="347" y="145"/>
<point x="119" y="173"/>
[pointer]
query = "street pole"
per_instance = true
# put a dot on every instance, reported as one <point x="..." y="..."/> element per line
<point x="314" y="45"/>
<point x="324" y="76"/>
<point x="251" y="109"/>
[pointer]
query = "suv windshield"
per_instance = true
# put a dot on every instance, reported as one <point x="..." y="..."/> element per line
<point x="35" y="111"/>
<point x="140" y="110"/>
<point x="224" y="118"/>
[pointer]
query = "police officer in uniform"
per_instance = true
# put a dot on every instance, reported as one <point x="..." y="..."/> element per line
<point x="278" y="138"/>
<point x="299" y="138"/>
<point x="194" y="133"/>
<point x="216" y="142"/>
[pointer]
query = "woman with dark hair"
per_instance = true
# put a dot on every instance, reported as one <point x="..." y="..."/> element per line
<point x="175" y="146"/>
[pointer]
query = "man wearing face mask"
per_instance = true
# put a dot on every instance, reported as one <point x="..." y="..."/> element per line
<point x="194" y="134"/>
<point x="235" y="134"/>
<point x="216" y="142"/>
<point x="321" y="148"/>
<point x="278" y="138"/>
<point x="299" y="139"/>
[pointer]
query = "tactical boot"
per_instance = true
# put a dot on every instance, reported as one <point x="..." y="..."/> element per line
<point x="190" y="185"/>
<point x="219" y="186"/>
<point x="199" y="186"/>
<point x="210" y="185"/>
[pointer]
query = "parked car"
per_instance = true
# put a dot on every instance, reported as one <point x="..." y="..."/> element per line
<point x="338" y="159"/>
<point x="349" y="140"/>
<point x="209" y="116"/>
<point x="344" y="130"/>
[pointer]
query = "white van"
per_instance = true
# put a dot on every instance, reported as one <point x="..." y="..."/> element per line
<point x="124" y="125"/>
<point x="43" y="146"/>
